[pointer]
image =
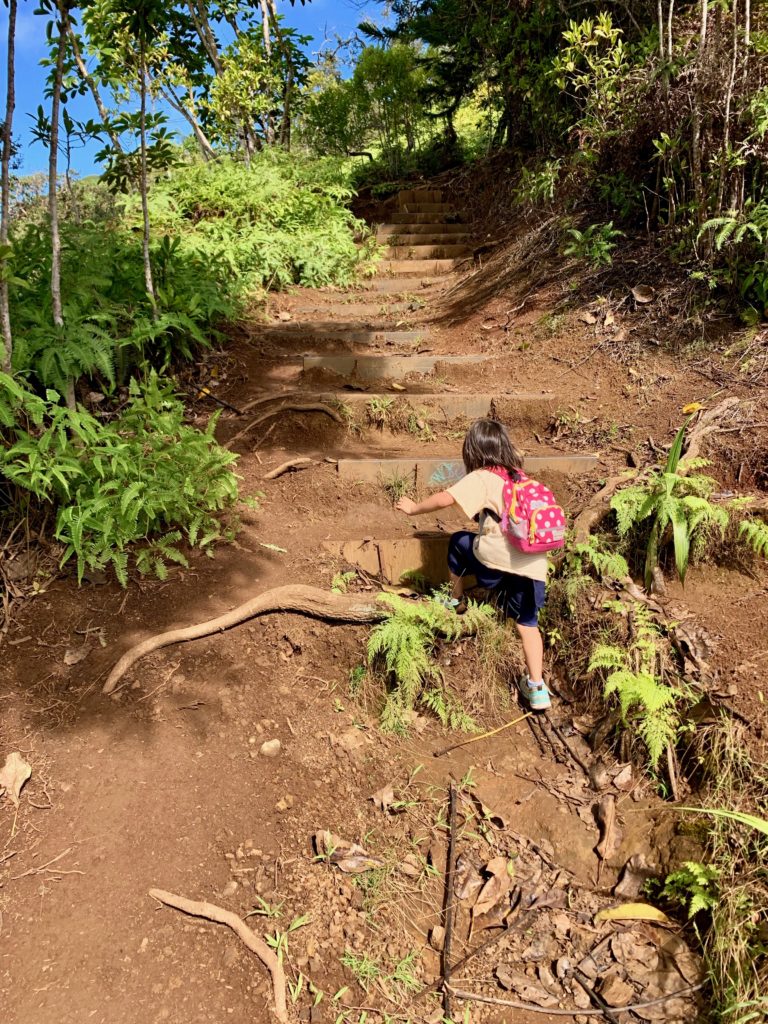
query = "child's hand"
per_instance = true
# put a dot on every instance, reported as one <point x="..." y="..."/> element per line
<point x="407" y="506"/>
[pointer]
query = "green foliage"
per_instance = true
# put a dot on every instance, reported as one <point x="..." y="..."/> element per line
<point x="341" y="580"/>
<point x="134" y="487"/>
<point x="595" y="244"/>
<point x="694" y="886"/>
<point x="403" y="647"/>
<point x="635" y="675"/>
<point x="539" y="185"/>
<point x="588" y="559"/>
<point x="676" y="501"/>
<point x="754" y="532"/>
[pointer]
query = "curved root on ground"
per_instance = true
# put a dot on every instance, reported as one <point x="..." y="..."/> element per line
<point x="256" y="945"/>
<point x="310" y="601"/>
<point x="292" y="407"/>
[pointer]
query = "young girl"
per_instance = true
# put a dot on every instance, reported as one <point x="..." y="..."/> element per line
<point x="516" y="577"/>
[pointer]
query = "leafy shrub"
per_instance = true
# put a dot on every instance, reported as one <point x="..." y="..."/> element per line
<point x="694" y="886"/>
<point x="404" y="646"/>
<point x="144" y="479"/>
<point x="594" y="244"/>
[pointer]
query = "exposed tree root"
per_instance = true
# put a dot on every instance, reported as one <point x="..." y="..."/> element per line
<point x="303" y="463"/>
<point x="292" y="407"/>
<point x="256" y="945"/>
<point x="599" y="507"/>
<point x="305" y="600"/>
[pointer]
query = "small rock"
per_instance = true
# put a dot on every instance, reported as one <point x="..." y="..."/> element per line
<point x="230" y="956"/>
<point x="230" y="888"/>
<point x="285" y="804"/>
<point x="437" y="937"/>
<point x="270" y="748"/>
<point x="351" y="740"/>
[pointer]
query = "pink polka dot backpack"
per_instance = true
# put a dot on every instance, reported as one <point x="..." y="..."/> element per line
<point x="532" y="520"/>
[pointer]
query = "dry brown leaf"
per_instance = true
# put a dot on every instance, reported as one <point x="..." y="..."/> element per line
<point x="610" y="319"/>
<point x="524" y="987"/>
<point x="75" y="657"/>
<point x="466" y="880"/>
<point x="495" y="888"/>
<point x="610" y="836"/>
<point x="15" y="773"/>
<point x="623" y="778"/>
<point x="398" y="387"/>
<point x="587" y="318"/>
<point x="633" y="912"/>
<point x="643" y="293"/>
<point x="383" y="798"/>
<point x="350" y="858"/>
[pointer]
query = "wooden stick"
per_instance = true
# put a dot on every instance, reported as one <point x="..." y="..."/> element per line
<point x="449" y="901"/>
<point x="302" y="463"/>
<point x="576" y="758"/>
<point x="241" y="929"/>
<point x="483" y="736"/>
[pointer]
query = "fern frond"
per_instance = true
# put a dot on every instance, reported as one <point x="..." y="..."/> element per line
<point x="754" y="532"/>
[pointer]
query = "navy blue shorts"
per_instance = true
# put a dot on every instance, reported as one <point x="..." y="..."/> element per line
<point x="518" y="597"/>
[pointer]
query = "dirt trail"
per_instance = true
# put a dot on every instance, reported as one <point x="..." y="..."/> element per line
<point x="164" y="785"/>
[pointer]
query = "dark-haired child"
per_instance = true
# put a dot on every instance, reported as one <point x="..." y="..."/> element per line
<point x="516" y="578"/>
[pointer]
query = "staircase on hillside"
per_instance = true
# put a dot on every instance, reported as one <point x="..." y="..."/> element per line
<point x="426" y="242"/>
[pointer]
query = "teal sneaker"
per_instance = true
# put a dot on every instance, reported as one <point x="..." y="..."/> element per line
<point x="536" y="696"/>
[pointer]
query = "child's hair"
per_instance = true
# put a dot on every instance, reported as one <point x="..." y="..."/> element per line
<point x="487" y="444"/>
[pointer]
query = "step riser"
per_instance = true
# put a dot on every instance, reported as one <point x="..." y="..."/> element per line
<point x="430" y="473"/>
<point x="426" y="252"/>
<point x="417" y="268"/>
<point x="420" y="195"/>
<point x="366" y="310"/>
<point x="385" y="230"/>
<point x="397" y="240"/>
<point x="403" y="217"/>
<point x="420" y="207"/>
<point x="524" y="412"/>
<point x="396" y="286"/>
<point x="386" y="367"/>
<point x="393" y="558"/>
<point x="344" y="335"/>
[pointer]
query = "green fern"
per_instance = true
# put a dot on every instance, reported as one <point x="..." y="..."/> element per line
<point x="755" y="533"/>
<point x="634" y="676"/>
<point x="404" y="645"/>
<point x="694" y="886"/>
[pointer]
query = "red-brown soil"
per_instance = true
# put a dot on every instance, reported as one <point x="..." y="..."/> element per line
<point x="163" y="785"/>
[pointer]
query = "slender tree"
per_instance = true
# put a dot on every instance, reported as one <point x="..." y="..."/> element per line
<point x="10" y="102"/>
<point x="90" y="81"/>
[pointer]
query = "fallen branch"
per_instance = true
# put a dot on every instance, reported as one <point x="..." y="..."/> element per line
<point x="482" y="736"/>
<point x="515" y="1005"/>
<point x="302" y="463"/>
<point x="450" y="905"/>
<point x="599" y="506"/>
<point x="297" y="407"/>
<point x="304" y="600"/>
<point x="241" y="929"/>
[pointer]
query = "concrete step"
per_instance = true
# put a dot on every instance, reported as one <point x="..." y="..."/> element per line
<point x="397" y="285"/>
<point x="365" y="310"/>
<point x="352" y="334"/>
<point x="385" y="230"/>
<point x="426" y="252"/>
<point x="425" y="553"/>
<point x="424" y="238"/>
<point x="386" y="367"/>
<point x="420" y="207"/>
<point x="436" y="472"/>
<point x="417" y="268"/>
<point x="524" y="409"/>
<point x="404" y="217"/>
<point x="417" y="195"/>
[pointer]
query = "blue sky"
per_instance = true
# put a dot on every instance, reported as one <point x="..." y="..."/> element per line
<point x="319" y="19"/>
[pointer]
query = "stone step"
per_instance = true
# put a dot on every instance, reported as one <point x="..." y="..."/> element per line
<point x="426" y="195"/>
<point x="444" y="209"/>
<point x="387" y="367"/>
<point x="426" y="252"/>
<point x="525" y="410"/>
<point x="423" y="238"/>
<point x="437" y="472"/>
<point x="425" y="553"/>
<point x="417" y="268"/>
<point x="385" y="230"/>
<point x="404" y="217"/>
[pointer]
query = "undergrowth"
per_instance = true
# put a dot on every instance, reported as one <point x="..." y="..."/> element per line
<point x="402" y="650"/>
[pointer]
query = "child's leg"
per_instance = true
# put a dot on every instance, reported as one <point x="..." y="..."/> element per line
<point x="533" y="651"/>
<point x="457" y="585"/>
<point x="461" y="561"/>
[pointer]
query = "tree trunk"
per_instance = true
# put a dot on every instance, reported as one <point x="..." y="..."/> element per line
<point x="696" y="161"/>
<point x="148" y="281"/>
<point x="86" y="77"/>
<point x="53" y="196"/>
<point x="727" y="112"/>
<point x="207" y="38"/>
<point x="188" y="114"/>
<point x="269" y="125"/>
<point x="5" y="313"/>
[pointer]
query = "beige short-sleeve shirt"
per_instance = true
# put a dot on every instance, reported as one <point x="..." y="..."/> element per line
<point x="483" y="491"/>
